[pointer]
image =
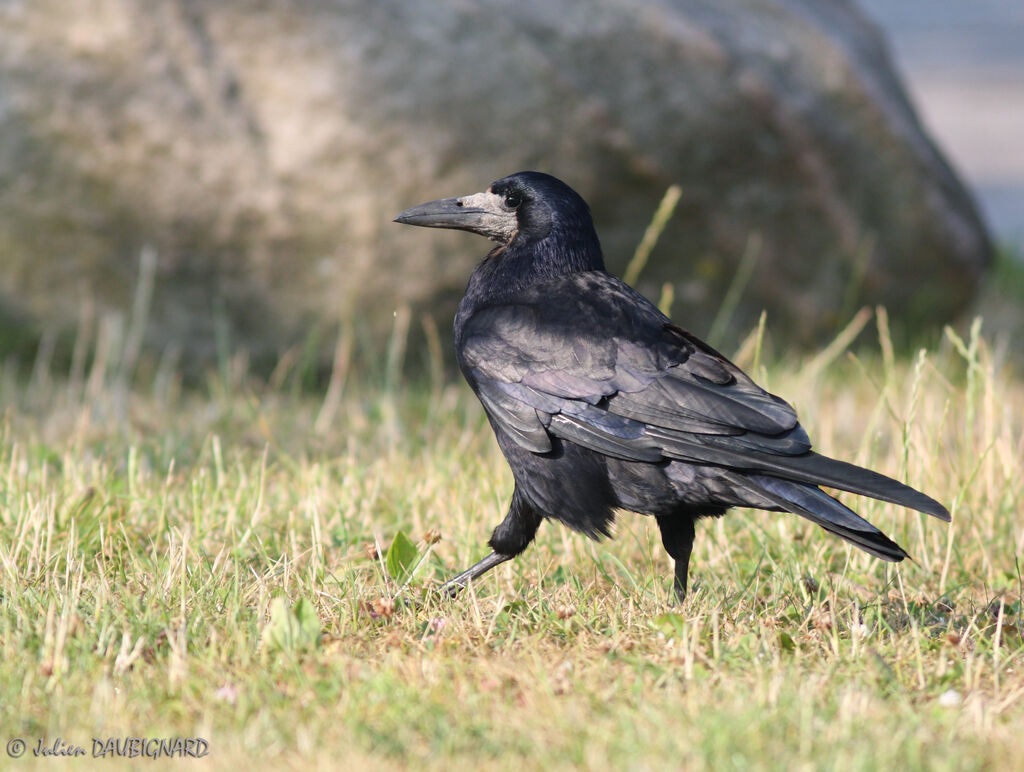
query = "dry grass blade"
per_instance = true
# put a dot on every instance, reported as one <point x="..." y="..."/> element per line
<point x="838" y="345"/>
<point x="650" y="238"/>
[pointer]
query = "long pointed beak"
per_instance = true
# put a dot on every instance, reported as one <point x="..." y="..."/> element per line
<point x="481" y="213"/>
<point x="444" y="213"/>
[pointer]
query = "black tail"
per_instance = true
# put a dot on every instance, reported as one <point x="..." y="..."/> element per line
<point x="820" y="508"/>
<point x="822" y="470"/>
<point x="807" y="468"/>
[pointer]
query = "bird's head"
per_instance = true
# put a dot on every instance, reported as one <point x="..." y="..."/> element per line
<point x="523" y="208"/>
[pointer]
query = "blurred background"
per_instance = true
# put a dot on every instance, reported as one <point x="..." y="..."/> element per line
<point x="963" y="64"/>
<point x="188" y="177"/>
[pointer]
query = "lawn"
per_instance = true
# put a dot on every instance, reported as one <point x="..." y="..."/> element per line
<point x="251" y="563"/>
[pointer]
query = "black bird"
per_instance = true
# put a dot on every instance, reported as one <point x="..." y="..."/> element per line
<point x="599" y="402"/>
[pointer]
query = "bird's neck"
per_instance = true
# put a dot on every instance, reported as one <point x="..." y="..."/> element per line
<point x="509" y="269"/>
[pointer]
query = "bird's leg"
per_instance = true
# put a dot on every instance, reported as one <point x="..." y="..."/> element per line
<point x="452" y="586"/>
<point x="512" y="536"/>
<point x="677" y="533"/>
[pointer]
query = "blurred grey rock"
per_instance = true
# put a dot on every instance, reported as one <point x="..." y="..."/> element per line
<point x="263" y="148"/>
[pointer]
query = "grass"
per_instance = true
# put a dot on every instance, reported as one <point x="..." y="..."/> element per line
<point x="146" y="531"/>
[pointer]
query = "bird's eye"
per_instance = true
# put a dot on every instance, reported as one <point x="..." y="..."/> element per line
<point x="513" y="200"/>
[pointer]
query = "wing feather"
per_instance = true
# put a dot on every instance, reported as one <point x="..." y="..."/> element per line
<point x="589" y="339"/>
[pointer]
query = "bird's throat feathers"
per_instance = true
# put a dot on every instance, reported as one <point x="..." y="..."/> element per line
<point x="568" y="247"/>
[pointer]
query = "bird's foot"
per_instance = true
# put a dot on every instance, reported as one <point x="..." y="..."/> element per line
<point x="679" y="591"/>
<point x="405" y="601"/>
<point x="453" y="586"/>
<point x="679" y="583"/>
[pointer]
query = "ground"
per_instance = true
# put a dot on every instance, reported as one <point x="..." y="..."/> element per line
<point x="250" y="562"/>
